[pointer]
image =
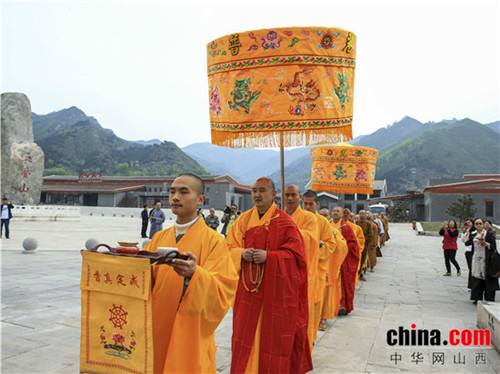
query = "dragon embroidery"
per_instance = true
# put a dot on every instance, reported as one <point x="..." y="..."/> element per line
<point x="242" y="96"/>
<point x="340" y="91"/>
<point x="304" y="93"/>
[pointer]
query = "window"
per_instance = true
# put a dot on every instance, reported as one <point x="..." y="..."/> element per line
<point x="362" y="196"/>
<point x="348" y="206"/>
<point x="348" y="196"/>
<point x="489" y="208"/>
<point x="149" y="189"/>
<point x="376" y="193"/>
<point x="359" y="207"/>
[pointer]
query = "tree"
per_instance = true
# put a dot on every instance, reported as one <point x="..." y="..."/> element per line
<point x="462" y="209"/>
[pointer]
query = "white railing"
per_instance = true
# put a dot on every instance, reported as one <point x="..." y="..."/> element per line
<point x="45" y="213"/>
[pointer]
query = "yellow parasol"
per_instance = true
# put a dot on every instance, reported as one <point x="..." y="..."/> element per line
<point x="282" y="87"/>
<point x="343" y="168"/>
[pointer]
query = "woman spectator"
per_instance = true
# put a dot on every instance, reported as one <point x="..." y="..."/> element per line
<point x="483" y="246"/>
<point x="450" y="233"/>
<point x="488" y="226"/>
<point x="468" y="225"/>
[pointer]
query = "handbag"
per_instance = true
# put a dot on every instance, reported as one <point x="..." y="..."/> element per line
<point x="494" y="265"/>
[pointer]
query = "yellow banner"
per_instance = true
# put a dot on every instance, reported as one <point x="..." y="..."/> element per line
<point x="116" y="333"/>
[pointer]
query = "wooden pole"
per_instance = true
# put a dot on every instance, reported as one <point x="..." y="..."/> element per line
<point x="282" y="167"/>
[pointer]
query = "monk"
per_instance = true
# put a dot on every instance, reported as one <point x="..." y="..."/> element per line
<point x="368" y="234"/>
<point x="326" y="249"/>
<point x="308" y="227"/>
<point x="385" y="223"/>
<point x="360" y="237"/>
<point x="190" y="297"/>
<point x="349" y="267"/>
<point x="332" y="294"/>
<point x="372" y="250"/>
<point x="325" y="213"/>
<point x="271" y="311"/>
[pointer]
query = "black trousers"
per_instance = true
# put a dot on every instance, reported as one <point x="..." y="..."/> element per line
<point x="468" y="258"/>
<point x="478" y="288"/>
<point x="144" y="229"/>
<point x="449" y="256"/>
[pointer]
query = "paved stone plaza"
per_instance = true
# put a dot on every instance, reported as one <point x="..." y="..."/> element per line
<point x="40" y="320"/>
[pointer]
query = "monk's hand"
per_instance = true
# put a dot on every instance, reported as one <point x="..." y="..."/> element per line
<point x="259" y="256"/>
<point x="185" y="268"/>
<point x="247" y="254"/>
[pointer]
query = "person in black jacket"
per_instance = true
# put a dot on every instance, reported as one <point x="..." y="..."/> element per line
<point x="6" y="209"/>
<point x="145" y="219"/>
<point x="483" y="247"/>
<point x="450" y="233"/>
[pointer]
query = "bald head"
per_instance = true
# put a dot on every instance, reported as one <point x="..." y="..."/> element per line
<point x="196" y="182"/>
<point x="269" y="181"/>
<point x="325" y="213"/>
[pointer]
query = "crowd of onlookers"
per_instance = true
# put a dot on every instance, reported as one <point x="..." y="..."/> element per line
<point x="479" y="239"/>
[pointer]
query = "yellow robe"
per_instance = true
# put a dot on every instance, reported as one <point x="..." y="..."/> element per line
<point x="234" y="240"/>
<point x="183" y="332"/>
<point x="308" y="227"/>
<point x="332" y="290"/>
<point x="326" y="249"/>
<point x="360" y="237"/>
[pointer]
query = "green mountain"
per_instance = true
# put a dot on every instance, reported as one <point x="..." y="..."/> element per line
<point x="447" y="149"/>
<point x="73" y="142"/>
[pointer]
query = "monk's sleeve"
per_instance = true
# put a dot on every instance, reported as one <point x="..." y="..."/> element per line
<point x="234" y="242"/>
<point x="309" y="232"/>
<point x="361" y="239"/>
<point x="212" y="288"/>
<point x="328" y="247"/>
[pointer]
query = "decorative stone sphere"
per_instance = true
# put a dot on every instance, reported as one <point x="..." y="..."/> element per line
<point x="30" y="244"/>
<point x="145" y="242"/>
<point x="91" y="243"/>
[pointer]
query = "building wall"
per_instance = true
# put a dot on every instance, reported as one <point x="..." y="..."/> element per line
<point x="436" y="205"/>
<point x="106" y="199"/>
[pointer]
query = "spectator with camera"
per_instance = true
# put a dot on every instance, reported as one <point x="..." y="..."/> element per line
<point x="230" y="215"/>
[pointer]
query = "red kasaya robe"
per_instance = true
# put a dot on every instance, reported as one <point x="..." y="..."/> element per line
<point x="349" y="268"/>
<point x="281" y="301"/>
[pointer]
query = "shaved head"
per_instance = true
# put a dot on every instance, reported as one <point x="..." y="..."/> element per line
<point x="269" y="182"/>
<point x="198" y="184"/>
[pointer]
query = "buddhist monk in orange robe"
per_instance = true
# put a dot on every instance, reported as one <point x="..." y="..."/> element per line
<point x="327" y="245"/>
<point x="268" y="251"/>
<point x="190" y="297"/>
<point x="360" y="237"/>
<point x="332" y="294"/>
<point x="308" y="227"/>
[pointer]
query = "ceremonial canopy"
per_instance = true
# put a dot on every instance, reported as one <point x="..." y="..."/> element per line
<point x="282" y="87"/>
<point x="343" y="168"/>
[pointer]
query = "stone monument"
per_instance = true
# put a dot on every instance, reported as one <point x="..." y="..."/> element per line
<point x="22" y="161"/>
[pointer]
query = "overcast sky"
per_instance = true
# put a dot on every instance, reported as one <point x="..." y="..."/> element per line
<point x="139" y="68"/>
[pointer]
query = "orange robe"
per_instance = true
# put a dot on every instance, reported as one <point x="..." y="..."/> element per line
<point x="308" y="227"/>
<point x="184" y="327"/>
<point x="360" y="237"/>
<point x="331" y="301"/>
<point x="326" y="249"/>
<point x="285" y="258"/>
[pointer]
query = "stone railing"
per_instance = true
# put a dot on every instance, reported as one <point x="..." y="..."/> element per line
<point x="46" y="213"/>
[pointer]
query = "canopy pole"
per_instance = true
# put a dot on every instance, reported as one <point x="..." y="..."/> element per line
<point x="282" y="167"/>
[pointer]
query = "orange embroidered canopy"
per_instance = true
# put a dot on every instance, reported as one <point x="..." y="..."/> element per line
<point x="343" y="168"/>
<point x="282" y="87"/>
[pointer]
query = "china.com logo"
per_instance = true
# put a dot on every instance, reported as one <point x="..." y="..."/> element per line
<point x="423" y="337"/>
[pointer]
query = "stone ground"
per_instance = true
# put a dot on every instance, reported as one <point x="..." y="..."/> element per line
<point x="40" y="313"/>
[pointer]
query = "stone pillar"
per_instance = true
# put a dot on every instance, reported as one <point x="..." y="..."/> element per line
<point x="22" y="161"/>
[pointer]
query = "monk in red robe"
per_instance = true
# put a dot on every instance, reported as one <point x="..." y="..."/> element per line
<point x="271" y="309"/>
<point x="349" y="267"/>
